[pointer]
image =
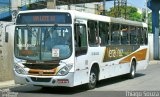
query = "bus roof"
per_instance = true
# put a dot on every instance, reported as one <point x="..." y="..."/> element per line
<point x="90" y="16"/>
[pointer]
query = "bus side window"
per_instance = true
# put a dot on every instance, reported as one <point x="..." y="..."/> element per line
<point x="92" y="33"/>
<point x="133" y="35"/>
<point x="124" y="34"/>
<point x="80" y="39"/>
<point x="140" y="36"/>
<point x="145" y="35"/>
<point x="103" y="33"/>
<point x="115" y="35"/>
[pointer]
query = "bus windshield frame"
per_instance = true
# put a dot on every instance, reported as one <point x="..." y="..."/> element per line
<point x="44" y="43"/>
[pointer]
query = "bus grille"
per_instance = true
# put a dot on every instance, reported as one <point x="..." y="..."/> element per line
<point x="40" y="79"/>
<point x="41" y="66"/>
<point x="42" y="72"/>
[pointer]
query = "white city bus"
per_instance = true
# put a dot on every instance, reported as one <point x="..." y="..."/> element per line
<point x="70" y="48"/>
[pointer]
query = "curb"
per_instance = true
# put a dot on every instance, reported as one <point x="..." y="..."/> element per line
<point x="7" y="84"/>
<point x="154" y="62"/>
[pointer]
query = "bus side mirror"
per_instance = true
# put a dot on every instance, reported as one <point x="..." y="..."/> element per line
<point x="6" y="36"/>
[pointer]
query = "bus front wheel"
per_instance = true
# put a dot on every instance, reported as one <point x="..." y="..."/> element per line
<point x="92" y="79"/>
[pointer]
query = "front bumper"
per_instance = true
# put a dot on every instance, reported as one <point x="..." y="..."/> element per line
<point x="50" y="81"/>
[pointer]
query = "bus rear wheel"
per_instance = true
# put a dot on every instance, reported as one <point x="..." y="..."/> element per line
<point x="92" y="79"/>
<point x="132" y="73"/>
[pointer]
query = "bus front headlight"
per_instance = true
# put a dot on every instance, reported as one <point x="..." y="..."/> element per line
<point x="19" y="69"/>
<point x="64" y="70"/>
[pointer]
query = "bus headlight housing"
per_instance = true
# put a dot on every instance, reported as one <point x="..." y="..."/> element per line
<point x="19" y="69"/>
<point x="64" y="70"/>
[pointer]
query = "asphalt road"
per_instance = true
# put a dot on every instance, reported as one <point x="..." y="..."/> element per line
<point x="146" y="80"/>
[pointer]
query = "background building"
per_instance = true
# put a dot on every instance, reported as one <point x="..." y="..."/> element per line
<point x="5" y="9"/>
<point x="87" y="7"/>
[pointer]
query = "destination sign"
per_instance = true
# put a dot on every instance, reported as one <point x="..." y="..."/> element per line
<point x="44" y="18"/>
<point x="60" y="2"/>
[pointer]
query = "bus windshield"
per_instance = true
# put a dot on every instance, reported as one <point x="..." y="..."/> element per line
<point x="43" y="43"/>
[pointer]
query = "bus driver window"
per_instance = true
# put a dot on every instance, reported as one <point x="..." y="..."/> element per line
<point x="80" y="39"/>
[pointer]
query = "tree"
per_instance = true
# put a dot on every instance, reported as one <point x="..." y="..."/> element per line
<point x="150" y="22"/>
<point x="131" y="13"/>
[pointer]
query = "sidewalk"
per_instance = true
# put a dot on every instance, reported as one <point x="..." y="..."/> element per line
<point x="154" y="62"/>
<point x="7" y="84"/>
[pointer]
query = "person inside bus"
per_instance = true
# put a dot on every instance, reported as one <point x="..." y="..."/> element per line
<point x="50" y="39"/>
<point x="78" y="37"/>
<point x="98" y="38"/>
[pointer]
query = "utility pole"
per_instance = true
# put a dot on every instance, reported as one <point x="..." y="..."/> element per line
<point x="125" y="7"/>
<point x="104" y="7"/>
<point x="117" y="8"/>
<point x="69" y="5"/>
<point x="154" y="6"/>
<point x="146" y="13"/>
<point x="51" y="4"/>
<point x="10" y="8"/>
<point x="118" y="5"/>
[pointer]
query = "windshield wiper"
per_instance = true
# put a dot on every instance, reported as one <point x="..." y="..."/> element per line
<point x="30" y="29"/>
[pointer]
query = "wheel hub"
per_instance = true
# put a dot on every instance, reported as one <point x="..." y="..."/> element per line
<point x="92" y="78"/>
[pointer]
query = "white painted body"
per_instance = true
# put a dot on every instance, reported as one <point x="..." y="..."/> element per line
<point x="79" y="74"/>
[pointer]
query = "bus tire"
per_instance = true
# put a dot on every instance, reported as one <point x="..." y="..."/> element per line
<point x="92" y="79"/>
<point x="132" y="73"/>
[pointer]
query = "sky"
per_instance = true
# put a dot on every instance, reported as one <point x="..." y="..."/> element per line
<point x="109" y="4"/>
<point x="135" y="3"/>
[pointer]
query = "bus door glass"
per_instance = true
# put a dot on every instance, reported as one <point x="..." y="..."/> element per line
<point x="80" y="39"/>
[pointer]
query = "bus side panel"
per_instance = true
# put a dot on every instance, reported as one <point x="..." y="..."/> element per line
<point x="121" y="69"/>
<point x="113" y="68"/>
<point x="141" y="65"/>
<point x="83" y="65"/>
<point x="106" y="70"/>
<point x="81" y="70"/>
<point x="141" y="56"/>
<point x="96" y="56"/>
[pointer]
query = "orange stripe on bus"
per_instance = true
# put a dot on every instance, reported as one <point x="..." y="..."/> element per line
<point x="139" y="55"/>
<point x="42" y="72"/>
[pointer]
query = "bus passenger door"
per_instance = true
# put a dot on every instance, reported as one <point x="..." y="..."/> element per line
<point x="81" y="63"/>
